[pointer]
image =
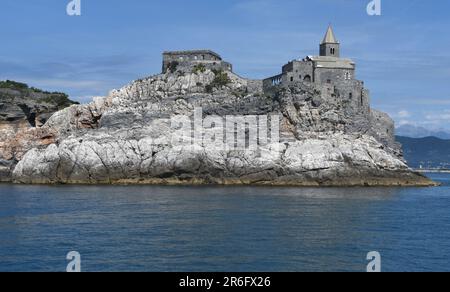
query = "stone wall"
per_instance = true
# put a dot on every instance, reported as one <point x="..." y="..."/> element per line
<point x="189" y="59"/>
<point x="325" y="75"/>
<point x="299" y="71"/>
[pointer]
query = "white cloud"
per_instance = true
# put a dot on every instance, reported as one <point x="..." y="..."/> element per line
<point x="439" y="117"/>
<point x="403" y="114"/>
<point x="405" y="122"/>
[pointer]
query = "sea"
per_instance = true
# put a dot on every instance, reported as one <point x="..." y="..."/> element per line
<point x="224" y="229"/>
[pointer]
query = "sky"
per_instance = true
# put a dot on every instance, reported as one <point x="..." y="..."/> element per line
<point x="403" y="55"/>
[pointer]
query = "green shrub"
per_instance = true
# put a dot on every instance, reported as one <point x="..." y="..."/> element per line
<point x="59" y="99"/>
<point x="220" y="80"/>
<point x="199" y="68"/>
<point x="173" y="66"/>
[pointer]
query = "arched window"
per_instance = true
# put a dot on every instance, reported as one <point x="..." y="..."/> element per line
<point x="350" y="95"/>
<point x="292" y="79"/>
<point x="307" y="78"/>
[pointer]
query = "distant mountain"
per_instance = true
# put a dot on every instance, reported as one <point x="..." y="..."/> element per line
<point x="420" y="132"/>
<point x="429" y="152"/>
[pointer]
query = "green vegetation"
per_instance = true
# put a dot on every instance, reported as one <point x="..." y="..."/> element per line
<point x="199" y="68"/>
<point x="8" y="84"/>
<point x="221" y="79"/>
<point x="173" y="66"/>
<point x="57" y="98"/>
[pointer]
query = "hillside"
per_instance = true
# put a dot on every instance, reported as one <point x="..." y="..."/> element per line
<point x="420" y="132"/>
<point x="21" y="103"/>
<point x="23" y="111"/>
<point x="429" y="152"/>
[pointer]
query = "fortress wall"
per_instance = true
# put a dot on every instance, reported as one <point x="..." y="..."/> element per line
<point x="187" y="57"/>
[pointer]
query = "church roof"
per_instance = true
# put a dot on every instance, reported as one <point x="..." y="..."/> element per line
<point x="329" y="37"/>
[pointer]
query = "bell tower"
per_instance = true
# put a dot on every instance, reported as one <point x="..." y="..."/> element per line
<point x="330" y="47"/>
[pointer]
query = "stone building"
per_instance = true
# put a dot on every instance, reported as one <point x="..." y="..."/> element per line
<point x="187" y="60"/>
<point x="335" y="76"/>
<point x="328" y="67"/>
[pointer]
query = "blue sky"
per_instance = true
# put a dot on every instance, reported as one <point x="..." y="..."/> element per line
<point x="403" y="55"/>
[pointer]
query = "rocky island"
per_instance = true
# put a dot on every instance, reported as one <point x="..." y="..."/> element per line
<point x="313" y="126"/>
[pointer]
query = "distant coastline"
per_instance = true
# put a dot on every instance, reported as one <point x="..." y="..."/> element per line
<point x="433" y="170"/>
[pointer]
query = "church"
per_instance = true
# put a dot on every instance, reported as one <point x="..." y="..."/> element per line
<point x="327" y="68"/>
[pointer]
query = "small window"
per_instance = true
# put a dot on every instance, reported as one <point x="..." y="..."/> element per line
<point x="292" y="79"/>
<point x="350" y="95"/>
<point x="329" y="81"/>
<point x="300" y="77"/>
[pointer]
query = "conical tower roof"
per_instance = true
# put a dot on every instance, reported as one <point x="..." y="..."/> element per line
<point x="329" y="37"/>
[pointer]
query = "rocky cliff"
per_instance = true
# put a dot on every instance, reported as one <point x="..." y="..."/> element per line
<point x="129" y="137"/>
<point x="23" y="111"/>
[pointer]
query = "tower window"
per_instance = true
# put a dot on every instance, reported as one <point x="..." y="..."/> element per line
<point x="292" y="79"/>
<point x="350" y="95"/>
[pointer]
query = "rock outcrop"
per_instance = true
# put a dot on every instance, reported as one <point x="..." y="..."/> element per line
<point x="129" y="137"/>
<point x="23" y="112"/>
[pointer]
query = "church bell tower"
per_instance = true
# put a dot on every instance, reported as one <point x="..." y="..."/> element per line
<point x="330" y="47"/>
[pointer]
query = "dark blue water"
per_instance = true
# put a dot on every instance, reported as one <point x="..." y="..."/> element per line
<point x="142" y="228"/>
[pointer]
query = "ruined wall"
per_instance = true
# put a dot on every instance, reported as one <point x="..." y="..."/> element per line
<point x="186" y="61"/>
